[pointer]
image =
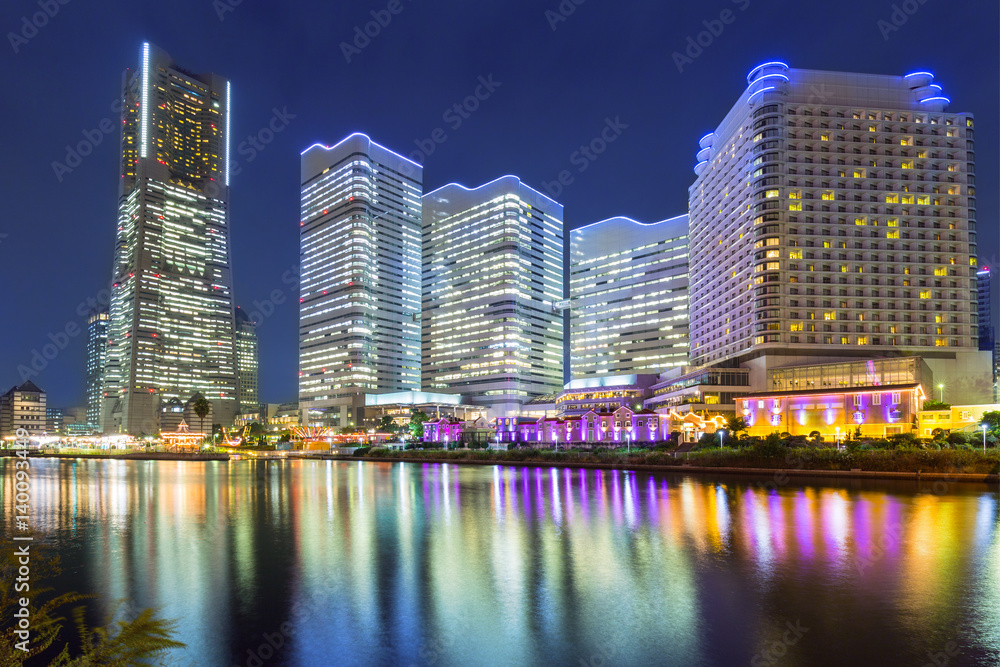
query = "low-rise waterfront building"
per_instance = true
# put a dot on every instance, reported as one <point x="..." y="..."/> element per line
<point x="401" y="405"/>
<point x="23" y="407"/>
<point x="965" y="418"/>
<point x="879" y="397"/>
<point x="618" y="428"/>
<point x="604" y="394"/>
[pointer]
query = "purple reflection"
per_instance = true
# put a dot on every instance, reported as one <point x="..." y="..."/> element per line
<point x="804" y="525"/>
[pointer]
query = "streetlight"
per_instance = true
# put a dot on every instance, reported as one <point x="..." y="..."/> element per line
<point x="984" y="427"/>
<point x="941" y="394"/>
<point x="722" y="437"/>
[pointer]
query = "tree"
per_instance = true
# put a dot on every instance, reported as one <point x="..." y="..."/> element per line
<point x="201" y="408"/>
<point x="387" y="425"/>
<point x="417" y="419"/>
<point x="736" y="425"/>
<point x="117" y="643"/>
<point x="931" y="404"/>
<point x="992" y="420"/>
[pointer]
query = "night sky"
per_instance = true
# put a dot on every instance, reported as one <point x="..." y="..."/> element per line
<point x="558" y="79"/>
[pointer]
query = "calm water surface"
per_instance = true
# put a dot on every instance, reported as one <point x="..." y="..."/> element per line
<point x="422" y="564"/>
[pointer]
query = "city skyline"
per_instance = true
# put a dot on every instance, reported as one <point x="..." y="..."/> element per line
<point x="540" y="159"/>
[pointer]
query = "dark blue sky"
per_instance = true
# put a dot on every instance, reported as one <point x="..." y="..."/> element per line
<point x="557" y="88"/>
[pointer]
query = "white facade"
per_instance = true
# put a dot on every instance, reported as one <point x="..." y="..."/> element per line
<point x="493" y="272"/>
<point x="628" y="295"/>
<point x="833" y="214"/>
<point x="359" y="307"/>
<point x="170" y="333"/>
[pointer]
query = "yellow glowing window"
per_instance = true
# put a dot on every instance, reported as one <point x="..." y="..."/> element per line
<point x="906" y="199"/>
<point x="862" y="340"/>
<point x="859" y="173"/>
<point x="828" y="195"/>
<point x="907" y="164"/>
<point x="892" y="235"/>
<point x="938" y="318"/>
<point x="774" y="253"/>
<point x="924" y="200"/>
<point x="794" y="254"/>
<point x="952" y="167"/>
<point x="861" y="221"/>
<point x="771" y="193"/>
<point x="796" y="326"/>
<point x="843" y="268"/>
<point x="925" y="294"/>
<point x="873" y="128"/>
<point x="797" y="206"/>
<point x="826" y="244"/>
<point x="922" y="154"/>
<point x="795" y="194"/>
<point x="941" y="342"/>
<point x="892" y="199"/>
<point x="972" y="261"/>
<point x="844" y="340"/>
<point x="830" y="315"/>
<point x="892" y="222"/>
<point x="824" y="137"/>
<point x="941" y="271"/>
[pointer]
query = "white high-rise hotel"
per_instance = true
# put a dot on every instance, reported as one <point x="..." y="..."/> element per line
<point x="360" y="226"/>
<point x="628" y="296"/>
<point x="493" y="272"/>
<point x="833" y="216"/>
<point x="170" y="333"/>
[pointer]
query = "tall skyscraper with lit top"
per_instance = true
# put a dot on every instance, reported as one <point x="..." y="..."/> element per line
<point x="359" y="305"/>
<point x="833" y="216"/>
<point x="171" y="316"/>
<point x="492" y="276"/>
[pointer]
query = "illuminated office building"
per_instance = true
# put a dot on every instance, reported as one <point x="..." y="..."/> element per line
<point x="247" y="363"/>
<point x="359" y="329"/>
<point x="97" y="346"/>
<point x="628" y="289"/>
<point x="984" y="295"/>
<point x="833" y="216"/>
<point x="492" y="274"/>
<point x="23" y="407"/>
<point x="171" y="318"/>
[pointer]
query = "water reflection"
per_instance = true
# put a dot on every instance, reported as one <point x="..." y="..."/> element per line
<point x="358" y="563"/>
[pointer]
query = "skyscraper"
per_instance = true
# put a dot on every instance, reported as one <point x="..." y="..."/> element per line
<point x="247" y="363"/>
<point x="984" y="295"/>
<point x="833" y="215"/>
<point x="171" y="318"/>
<point x="359" y="305"/>
<point x="97" y="346"/>
<point x="493" y="272"/>
<point x="628" y="292"/>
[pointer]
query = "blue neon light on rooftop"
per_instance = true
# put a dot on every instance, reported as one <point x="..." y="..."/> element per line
<point x="918" y="74"/>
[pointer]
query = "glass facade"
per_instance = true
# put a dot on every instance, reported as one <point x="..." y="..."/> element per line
<point x="359" y="305"/>
<point x="171" y="317"/>
<point x="97" y="347"/>
<point x="247" y="363"/>
<point x="493" y="272"/>
<point x="628" y="292"/>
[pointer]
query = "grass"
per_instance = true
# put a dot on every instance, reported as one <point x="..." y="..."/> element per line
<point x="784" y="458"/>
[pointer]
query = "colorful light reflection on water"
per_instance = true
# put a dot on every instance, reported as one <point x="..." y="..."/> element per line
<point x="449" y="565"/>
